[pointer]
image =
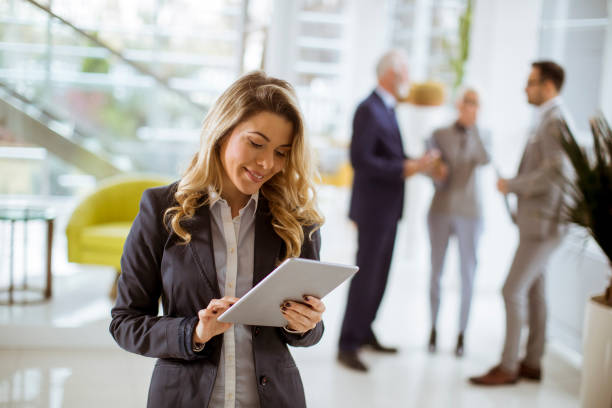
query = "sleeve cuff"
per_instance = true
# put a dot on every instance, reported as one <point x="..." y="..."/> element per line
<point x="188" y="328"/>
<point x="511" y="185"/>
<point x="197" y="347"/>
<point x="288" y="330"/>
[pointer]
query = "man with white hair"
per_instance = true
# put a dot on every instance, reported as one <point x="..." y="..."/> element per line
<point x="377" y="200"/>
<point x="455" y="208"/>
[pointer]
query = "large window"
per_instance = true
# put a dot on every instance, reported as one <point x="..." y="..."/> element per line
<point x="319" y="67"/>
<point x="573" y="33"/>
<point x="140" y="108"/>
<point x="428" y="31"/>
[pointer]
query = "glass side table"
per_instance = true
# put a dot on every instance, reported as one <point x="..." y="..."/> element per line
<point x="26" y="214"/>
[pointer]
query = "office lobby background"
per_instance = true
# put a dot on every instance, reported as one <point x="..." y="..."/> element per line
<point x="98" y="89"/>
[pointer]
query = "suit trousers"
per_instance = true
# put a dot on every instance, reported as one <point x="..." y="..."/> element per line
<point x="374" y="253"/>
<point x="524" y="295"/>
<point x="467" y="230"/>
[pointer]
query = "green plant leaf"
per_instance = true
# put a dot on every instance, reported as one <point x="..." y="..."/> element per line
<point x="588" y="202"/>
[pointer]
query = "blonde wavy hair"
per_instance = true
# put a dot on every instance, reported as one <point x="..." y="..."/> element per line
<point x="290" y="193"/>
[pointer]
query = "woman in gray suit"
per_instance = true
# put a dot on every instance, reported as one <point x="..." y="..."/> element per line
<point x="455" y="208"/>
<point x="245" y="203"/>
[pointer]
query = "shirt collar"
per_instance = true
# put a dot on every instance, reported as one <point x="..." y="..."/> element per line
<point x="461" y="128"/>
<point x="548" y="105"/>
<point x="388" y="99"/>
<point x="215" y="198"/>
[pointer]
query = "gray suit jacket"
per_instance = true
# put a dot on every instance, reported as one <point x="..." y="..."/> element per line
<point x="538" y="183"/>
<point x="155" y="265"/>
<point x="462" y="151"/>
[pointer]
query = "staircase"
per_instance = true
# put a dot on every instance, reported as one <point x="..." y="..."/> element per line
<point x="105" y="109"/>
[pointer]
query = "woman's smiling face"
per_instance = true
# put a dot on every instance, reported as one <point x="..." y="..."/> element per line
<point x="254" y="152"/>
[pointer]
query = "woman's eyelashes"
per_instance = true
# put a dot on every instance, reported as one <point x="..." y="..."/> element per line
<point x="255" y="145"/>
<point x="279" y="153"/>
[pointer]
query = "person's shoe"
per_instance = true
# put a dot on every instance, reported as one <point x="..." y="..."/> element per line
<point x="351" y="360"/>
<point x="432" y="341"/>
<point x="376" y="346"/>
<point x="496" y="376"/>
<point x="530" y="373"/>
<point x="459" y="348"/>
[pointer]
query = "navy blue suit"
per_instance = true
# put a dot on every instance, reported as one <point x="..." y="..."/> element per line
<point x="377" y="200"/>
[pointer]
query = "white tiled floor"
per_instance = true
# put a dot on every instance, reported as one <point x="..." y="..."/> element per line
<point x="60" y="354"/>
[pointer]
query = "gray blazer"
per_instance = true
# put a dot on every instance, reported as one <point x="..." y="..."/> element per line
<point x="155" y="265"/>
<point x="538" y="184"/>
<point x="462" y="151"/>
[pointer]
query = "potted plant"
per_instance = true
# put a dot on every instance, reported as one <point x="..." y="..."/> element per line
<point x="589" y="205"/>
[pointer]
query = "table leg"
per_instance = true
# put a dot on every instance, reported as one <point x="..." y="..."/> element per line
<point x="11" y="261"/>
<point x="48" y="288"/>
<point x="25" y="254"/>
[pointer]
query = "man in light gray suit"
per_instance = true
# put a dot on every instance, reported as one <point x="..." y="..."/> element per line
<point x="539" y="196"/>
<point x="455" y="208"/>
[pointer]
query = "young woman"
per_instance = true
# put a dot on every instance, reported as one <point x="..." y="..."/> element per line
<point x="245" y="203"/>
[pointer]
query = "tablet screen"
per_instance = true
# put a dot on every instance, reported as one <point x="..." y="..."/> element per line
<point x="291" y="280"/>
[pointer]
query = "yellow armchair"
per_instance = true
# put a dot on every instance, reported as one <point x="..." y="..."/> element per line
<point x="343" y="177"/>
<point x="100" y="223"/>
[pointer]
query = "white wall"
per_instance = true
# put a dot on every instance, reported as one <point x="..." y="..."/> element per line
<point x="577" y="271"/>
<point x="368" y="38"/>
<point x="280" y="51"/>
<point x="606" y="94"/>
<point x="503" y="45"/>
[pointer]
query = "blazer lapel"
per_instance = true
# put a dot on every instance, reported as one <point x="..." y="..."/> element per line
<point x="267" y="243"/>
<point x="392" y="136"/>
<point x="534" y="137"/>
<point x="201" y="247"/>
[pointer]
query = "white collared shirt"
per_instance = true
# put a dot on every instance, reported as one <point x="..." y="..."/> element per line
<point x="388" y="99"/>
<point x="548" y="105"/>
<point x="539" y="113"/>
<point x="234" y="251"/>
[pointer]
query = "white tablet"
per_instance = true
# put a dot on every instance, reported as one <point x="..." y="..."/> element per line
<point x="291" y="280"/>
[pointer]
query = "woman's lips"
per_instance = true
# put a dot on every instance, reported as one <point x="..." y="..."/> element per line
<point x="255" y="177"/>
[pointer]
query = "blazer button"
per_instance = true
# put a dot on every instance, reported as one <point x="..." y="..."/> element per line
<point x="264" y="381"/>
<point x="256" y="330"/>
